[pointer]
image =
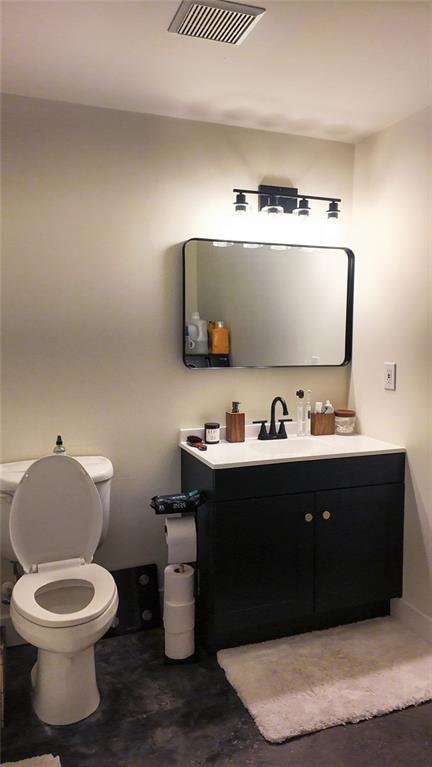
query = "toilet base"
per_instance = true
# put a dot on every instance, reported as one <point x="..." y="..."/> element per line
<point x="64" y="686"/>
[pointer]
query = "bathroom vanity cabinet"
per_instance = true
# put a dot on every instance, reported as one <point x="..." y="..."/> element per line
<point x="290" y="547"/>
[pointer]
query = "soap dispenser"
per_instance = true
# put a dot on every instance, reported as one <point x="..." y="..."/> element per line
<point x="59" y="446"/>
<point x="235" y="424"/>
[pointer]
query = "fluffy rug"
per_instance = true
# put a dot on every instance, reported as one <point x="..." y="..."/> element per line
<point x="47" y="760"/>
<point x="308" y="682"/>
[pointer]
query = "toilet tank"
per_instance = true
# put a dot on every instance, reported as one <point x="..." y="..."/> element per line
<point x="98" y="467"/>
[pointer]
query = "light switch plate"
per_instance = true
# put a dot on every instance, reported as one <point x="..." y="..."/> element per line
<point x="390" y="376"/>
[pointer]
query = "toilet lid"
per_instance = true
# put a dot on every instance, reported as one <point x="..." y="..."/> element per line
<point x="56" y="513"/>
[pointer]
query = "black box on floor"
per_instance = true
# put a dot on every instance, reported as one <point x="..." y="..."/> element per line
<point x="139" y="604"/>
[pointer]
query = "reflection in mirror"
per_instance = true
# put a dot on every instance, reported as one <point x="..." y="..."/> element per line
<point x="261" y="305"/>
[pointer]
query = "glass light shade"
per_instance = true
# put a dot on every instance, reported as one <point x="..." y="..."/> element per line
<point x="241" y="204"/>
<point x="302" y="208"/>
<point x="272" y="210"/>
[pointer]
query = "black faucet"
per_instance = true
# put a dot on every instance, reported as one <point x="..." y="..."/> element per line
<point x="273" y="433"/>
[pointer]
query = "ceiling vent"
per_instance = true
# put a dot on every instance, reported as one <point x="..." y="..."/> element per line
<point x="218" y="20"/>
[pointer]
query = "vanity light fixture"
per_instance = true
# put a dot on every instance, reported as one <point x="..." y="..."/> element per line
<point x="222" y="244"/>
<point x="302" y="208"/>
<point x="333" y="211"/>
<point x="274" y="200"/>
<point x="240" y="205"/>
<point x="252" y="245"/>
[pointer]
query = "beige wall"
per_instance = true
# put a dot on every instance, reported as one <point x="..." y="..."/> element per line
<point x="97" y="204"/>
<point x="393" y="320"/>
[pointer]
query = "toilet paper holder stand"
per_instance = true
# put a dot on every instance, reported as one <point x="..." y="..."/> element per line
<point x="178" y="505"/>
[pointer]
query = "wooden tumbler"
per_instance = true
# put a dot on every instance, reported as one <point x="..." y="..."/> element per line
<point x="322" y="423"/>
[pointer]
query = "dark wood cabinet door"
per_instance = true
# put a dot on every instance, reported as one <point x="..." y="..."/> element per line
<point x="262" y="555"/>
<point x="359" y="541"/>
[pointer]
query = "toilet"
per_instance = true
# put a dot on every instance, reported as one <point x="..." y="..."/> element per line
<point x="63" y="603"/>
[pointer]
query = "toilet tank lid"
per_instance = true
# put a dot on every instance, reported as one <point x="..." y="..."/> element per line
<point x="99" y="468"/>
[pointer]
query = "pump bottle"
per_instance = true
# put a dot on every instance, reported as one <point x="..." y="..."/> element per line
<point x="300" y="424"/>
<point x="308" y="413"/>
<point x="235" y="424"/>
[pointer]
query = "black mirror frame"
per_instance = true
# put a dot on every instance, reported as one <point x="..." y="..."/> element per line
<point x="349" y="303"/>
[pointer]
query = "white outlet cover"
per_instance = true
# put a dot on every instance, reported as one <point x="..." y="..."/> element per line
<point x="390" y="376"/>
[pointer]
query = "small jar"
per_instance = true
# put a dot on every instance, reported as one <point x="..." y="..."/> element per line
<point x="212" y="433"/>
<point x="345" y="421"/>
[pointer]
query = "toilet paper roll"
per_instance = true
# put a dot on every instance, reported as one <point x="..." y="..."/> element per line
<point x="179" y="646"/>
<point x="180" y="534"/>
<point x="179" y="618"/>
<point x="178" y="585"/>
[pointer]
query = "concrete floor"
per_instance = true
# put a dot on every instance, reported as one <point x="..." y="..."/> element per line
<point x="157" y="716"/>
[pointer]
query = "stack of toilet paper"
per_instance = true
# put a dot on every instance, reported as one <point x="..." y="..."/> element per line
<point x="179" y="612"/>
<point x="179" y="603"/>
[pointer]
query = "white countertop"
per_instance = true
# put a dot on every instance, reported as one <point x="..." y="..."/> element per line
<point x="254" y="452"/>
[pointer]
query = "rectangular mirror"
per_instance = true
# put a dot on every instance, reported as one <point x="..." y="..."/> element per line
<point x="265" y="305"/>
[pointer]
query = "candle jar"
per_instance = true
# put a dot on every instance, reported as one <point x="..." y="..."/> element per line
<point x="212" y="433"/>
<point x="345" y="421"/>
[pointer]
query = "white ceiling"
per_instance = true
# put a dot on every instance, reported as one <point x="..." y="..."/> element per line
<point x="337" y="70"/>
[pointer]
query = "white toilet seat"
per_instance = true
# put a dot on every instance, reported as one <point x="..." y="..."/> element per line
<point x="24" y="601"/>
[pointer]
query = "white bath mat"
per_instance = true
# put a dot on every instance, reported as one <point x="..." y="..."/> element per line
<point x="308" y="682"/>
<point x="47" y="760"/>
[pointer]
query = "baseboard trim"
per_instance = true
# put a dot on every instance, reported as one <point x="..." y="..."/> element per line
<point x="412" y="618"/>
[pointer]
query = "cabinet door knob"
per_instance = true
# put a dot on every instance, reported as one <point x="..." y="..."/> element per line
<point x="326" y="515"/>
<point x="308" y="517"/>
